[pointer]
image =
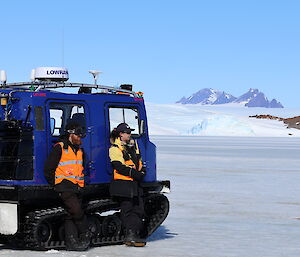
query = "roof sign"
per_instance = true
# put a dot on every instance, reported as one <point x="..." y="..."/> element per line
<point x="51" y="73"/>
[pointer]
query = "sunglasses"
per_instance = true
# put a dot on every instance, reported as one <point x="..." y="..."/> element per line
<point x="78" y="132"/>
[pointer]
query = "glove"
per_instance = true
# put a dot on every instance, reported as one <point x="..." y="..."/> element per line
<point x="137" y="175"/>
<point x="143" y="170"/>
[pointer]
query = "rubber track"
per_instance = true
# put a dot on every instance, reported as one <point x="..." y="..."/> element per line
<point x="157" y="203"/>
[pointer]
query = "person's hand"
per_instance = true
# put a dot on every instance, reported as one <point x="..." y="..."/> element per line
<point x="143" y="170"/>
<point x="137" y="175"/>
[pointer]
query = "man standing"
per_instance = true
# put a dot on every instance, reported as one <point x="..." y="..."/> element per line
<point x="64" y="169"/>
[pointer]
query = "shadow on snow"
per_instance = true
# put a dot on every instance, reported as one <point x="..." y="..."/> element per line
<point x="160" y="234"/>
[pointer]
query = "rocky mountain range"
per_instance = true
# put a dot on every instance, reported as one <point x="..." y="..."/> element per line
<point x="252" y="98"/>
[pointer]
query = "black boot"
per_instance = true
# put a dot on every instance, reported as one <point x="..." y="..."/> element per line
<point x="133" y="239"/>
<point x="73" y="244"/>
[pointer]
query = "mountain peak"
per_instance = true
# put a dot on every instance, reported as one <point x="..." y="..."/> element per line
<point x="209" y="96"/>
<point x="253" y="90"/>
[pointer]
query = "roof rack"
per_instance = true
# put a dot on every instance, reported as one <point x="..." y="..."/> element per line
<point x="36" y="86"/>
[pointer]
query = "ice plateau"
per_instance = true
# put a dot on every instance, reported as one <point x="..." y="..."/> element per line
<point x="217" y="120"/>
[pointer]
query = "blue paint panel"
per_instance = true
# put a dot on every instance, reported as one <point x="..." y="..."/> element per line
<point x="96" y="143"/>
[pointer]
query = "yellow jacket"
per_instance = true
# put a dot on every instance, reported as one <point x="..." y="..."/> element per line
<point x="117" y="152"/>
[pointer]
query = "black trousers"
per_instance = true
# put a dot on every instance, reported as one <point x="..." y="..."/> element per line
<point x="132" y="213"/>
<point x="76" y="221"/>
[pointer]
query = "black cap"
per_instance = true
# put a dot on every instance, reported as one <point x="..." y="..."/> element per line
<point x="123" y="127"/>
<point x="75" y="128"/>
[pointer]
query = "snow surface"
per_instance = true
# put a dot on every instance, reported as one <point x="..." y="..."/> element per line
<point x="230" y="197"/>
<point x="217" y="120"/>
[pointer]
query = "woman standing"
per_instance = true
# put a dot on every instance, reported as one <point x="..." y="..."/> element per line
<point x="128" y="172"/>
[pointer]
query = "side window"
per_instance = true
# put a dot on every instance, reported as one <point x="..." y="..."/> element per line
<point x="77" y="109"/>
<point x="62" y="113"/>
<point x="130" y="116"/>
<point x="56" y="121"/>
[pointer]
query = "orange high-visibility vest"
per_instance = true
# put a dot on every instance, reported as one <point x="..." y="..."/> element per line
<point x="70" y="166"/>
<point x="129" y="163"/>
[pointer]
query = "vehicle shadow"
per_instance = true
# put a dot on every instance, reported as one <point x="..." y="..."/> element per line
<point x="160" y="234"/>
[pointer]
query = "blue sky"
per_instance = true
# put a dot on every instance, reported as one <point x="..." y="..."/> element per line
<point x="167" y="49"/>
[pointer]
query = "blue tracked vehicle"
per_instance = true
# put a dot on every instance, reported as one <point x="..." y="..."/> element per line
<point x="33" y="115"/>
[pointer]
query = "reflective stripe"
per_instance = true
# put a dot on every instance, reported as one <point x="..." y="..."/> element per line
<point x="69" y="163"/>
<point x="128" y="163"/>
<point x="74" y="177"/>
<point x="70" y="167"/>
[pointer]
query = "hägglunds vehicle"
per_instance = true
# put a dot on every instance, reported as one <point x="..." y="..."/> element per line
<point x="32" y="116"/>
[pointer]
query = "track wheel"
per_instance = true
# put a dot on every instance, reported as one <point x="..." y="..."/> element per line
<point x="95" y="225"/>
<point x="44" y="232"/>
<point x="111" y="226"/>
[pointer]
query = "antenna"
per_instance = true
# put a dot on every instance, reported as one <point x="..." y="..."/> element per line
<point x="95" y="74"/>
<point x="63" y="48"/>
<point x="3" y="77"/>
<point x="32" y="75"/>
